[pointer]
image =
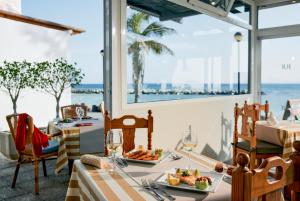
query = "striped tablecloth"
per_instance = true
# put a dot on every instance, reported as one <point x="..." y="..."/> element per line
<point x="72" y="141"/>
<point x="62" y="158"/>
<point x="284" y="134"/>
<point x="88" y="183"/>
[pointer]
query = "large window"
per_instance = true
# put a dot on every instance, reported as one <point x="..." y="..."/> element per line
<point x="192" y="57"/>
<point x="280" y="72"/>
<point x="280" y="16"/>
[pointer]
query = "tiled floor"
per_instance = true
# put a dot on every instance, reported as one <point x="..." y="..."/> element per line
<point x="52" y="188"/>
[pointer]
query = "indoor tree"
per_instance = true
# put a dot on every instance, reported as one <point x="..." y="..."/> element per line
<point x="16" y="76"/>
<point x="57" y="76"/>
<point x="142" y="30"/>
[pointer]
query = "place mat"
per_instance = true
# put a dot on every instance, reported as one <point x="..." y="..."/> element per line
<point x="90" y="183"/>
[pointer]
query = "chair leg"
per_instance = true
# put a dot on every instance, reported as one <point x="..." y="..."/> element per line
<point x="36" y="177"/>
<point x="16" y="172"/>
<point x="70" y="164"/>
<point x="252" y="160"/>
<point x="44" y="167"/>
<point x="234" y="156"/>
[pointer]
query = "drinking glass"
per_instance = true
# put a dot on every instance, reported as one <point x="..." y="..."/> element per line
<point x="79" y="112"/>
<point x="293" y="114"/>
<point x="189" y="142"/>
<point x="114" y="140"/>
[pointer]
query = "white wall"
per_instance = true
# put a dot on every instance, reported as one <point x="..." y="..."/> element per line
<point x="211" y="119"/>
<point x="11" y="5"/>
<point x="19" y="41"/>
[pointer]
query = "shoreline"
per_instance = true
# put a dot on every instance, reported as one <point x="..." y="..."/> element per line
<point x="165" y="92"/>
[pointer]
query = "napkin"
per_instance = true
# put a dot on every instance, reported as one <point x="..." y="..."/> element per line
<point x="83" y="124"/>
<point x="95" y="161"/>
<point x="272" y="120"/>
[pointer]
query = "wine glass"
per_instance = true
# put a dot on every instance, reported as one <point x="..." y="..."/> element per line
<point x="114" y="140"/>
<point x="79" y="112"/>
<point x="189" y="142"/>
<point x="293" y="113"/>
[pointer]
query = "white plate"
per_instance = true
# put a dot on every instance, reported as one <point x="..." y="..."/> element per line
<point x="153" y="162"/>
<point x="216" y="179"/>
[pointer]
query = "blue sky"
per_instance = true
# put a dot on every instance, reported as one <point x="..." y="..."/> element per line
<point x="198" y="37"/>
<point x="84" y="47"/>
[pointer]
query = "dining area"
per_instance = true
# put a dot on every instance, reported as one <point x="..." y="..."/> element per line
<point x="264" y="149"/>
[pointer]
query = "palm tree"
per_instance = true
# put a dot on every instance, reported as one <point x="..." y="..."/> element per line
<point x="140" y="30"/>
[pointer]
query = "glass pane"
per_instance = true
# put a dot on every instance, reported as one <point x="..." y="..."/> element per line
<point x="279" y="16"/>
<point x="280" y="72"/>
<point x="196" y="58"/>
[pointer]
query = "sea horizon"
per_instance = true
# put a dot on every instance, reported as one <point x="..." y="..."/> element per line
<point x="271" y="92"/>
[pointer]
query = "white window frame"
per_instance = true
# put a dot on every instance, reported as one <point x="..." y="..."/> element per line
<point x="123" y="69"/>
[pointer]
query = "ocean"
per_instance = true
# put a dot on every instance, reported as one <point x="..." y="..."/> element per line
<point x="276" y="94"/>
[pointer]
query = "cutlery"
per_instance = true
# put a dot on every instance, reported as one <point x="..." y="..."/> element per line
<point x="121" y="162"/>
<point x="148" y="187"/>
<point x="175" y="156"/>
<point x="155" y="186"/>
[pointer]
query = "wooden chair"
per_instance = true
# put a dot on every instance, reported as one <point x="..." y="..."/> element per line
<point x="257" y="149"/>
<point x="257" y="184"/>
<point x="28" y="153"/>
<point x="129" y="130"/>
<point x="69" y="111"/>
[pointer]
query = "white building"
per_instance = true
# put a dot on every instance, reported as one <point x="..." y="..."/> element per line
<point x="25" y="38"/>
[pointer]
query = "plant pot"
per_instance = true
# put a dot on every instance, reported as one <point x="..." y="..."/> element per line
<point x="7" y="145"/>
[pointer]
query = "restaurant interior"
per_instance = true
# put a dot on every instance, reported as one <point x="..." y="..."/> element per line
<point x="224" y="145"/>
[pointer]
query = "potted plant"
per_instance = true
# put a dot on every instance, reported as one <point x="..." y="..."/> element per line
<point x="57" y="76"/>
<point x="14" y="77"/>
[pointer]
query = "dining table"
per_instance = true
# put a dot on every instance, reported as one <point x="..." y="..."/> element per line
<point x="78" y="137"/>
<point x="283" y="133"/>
<point x="90" y="183"/>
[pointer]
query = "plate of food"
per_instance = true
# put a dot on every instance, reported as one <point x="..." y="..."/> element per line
<point x="146" y="156"/>
<point x="192" y="180"/>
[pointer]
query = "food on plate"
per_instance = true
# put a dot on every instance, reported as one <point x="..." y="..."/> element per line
<point x="142" y="155"/>
<point x="189" y="177"/>
<point x="173" y="180"/>
<point x="196" y="173"/>
<point x="189" y="180"/>
<point x="201" y="183"/>
<point x="159" y="152"/>
<point x="219" y="167"/>
<point x="141" y="148"/>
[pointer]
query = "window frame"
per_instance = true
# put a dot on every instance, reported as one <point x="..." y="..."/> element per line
<point x="123" y="67"/>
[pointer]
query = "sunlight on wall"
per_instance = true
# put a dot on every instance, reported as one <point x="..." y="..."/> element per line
<point x="20" y="41"/>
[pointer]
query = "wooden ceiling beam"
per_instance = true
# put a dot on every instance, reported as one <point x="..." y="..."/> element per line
<point x="39" y="22"/>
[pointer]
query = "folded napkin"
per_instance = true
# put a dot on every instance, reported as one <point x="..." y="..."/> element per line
<point x="95" y="161"/>
<point x="83" y="124"/>
<point x="272" y="120"/>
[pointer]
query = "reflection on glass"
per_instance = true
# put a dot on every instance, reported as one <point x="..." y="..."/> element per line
<point x="197" y="59"/>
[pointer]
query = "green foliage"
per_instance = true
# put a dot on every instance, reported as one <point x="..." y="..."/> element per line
<point x="16" y="76"/>
<point x="141" y="28"/>
<point x="57" y="76"/>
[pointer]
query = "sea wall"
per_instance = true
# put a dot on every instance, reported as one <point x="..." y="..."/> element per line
<point x="20" y="41"/>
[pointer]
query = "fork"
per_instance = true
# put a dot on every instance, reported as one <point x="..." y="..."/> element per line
<point x="155" y="186"/>
<point x="146" y="185"/>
